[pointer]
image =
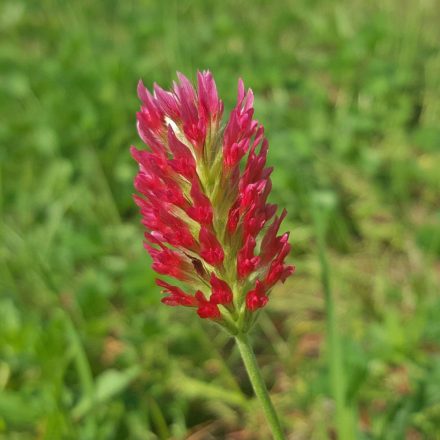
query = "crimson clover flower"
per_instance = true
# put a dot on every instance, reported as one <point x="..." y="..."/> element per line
<point x="203" y="187"/>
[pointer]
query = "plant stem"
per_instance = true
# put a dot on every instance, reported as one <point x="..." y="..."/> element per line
<point x="259" y="386"/>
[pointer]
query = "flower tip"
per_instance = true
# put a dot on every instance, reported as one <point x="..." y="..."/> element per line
<point x="211" y="250"/>
<point x="142" y="91"/>
<point x="221" y="292"/>
<point x="134" y="153"/>
<point x="157" y="89"/>
<point x="240" y="90"/>
<point x="140" y="85"/>
<point x="290" y="270"/>
<point x="256" y="298"/>
<point x="161" y="283"/>
<point x="205" y="76"/>
<point x="206" y="309"/>
<point x="183" y="79"/>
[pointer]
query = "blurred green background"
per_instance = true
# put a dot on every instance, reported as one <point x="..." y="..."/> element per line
<point x="349" y="93"/>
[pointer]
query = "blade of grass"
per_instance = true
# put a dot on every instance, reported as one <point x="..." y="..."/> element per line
<point x="158" y="420"/>
<point x="195" y="388"/>
<point x="344" y="423"/>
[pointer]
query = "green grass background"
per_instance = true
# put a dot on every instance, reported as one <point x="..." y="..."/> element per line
<point x="349" y="93"/>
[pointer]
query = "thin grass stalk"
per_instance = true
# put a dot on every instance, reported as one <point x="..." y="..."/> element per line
<point x="344" y="425"/>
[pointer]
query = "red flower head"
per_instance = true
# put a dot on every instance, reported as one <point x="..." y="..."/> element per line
<point x="206" y="215"/>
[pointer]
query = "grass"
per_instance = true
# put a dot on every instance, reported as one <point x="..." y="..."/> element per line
<point x="349" y="93"/>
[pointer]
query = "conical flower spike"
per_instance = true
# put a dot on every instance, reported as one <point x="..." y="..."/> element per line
<point x="202" y="190"/>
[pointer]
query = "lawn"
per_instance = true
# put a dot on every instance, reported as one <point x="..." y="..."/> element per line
<point x="349" y="93"/>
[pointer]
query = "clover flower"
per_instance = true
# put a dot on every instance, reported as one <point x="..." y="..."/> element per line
<point x="203" y="189"/>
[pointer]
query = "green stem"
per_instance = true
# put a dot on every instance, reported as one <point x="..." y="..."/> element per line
<point x="259" y="386"/>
